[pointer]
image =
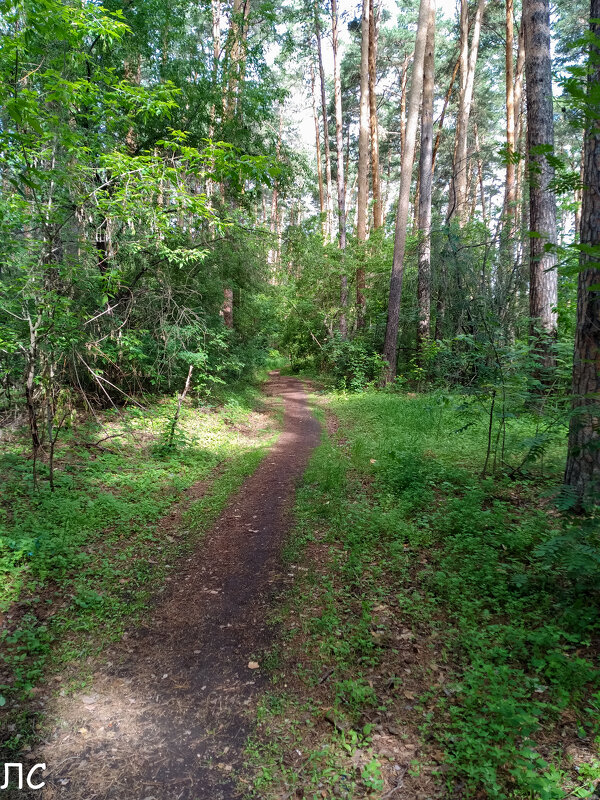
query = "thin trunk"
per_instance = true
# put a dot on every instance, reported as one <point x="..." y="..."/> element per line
<point x="390" y="351"/>
<point x="179" y="404"/>
<point x="238" y="32"/>
<point x="579" y="194"/>
<point x="480" y="175"/>
<point x="510" y="196"/>
<point x="426" y="180"/>
<point x="403" y="85"/>
<point x="438" y="137"/>
<point x="327" y="150"/>
<point x="318" y="154"/>
<point x="519" y="74"/>
<point x="227" y="307"/>
<point x="542" y="202"/>
<point x="341" y="186"/>
<point x="363" y="163"/>
<point x="32" y="416"/>
<point x="582" y="474"/>
<point x="468" y="61"/>
<point x="375" y="176"/>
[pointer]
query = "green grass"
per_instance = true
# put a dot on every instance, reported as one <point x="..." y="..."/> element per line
<point x="84" y="561"/>
<point x="498" y="591"/>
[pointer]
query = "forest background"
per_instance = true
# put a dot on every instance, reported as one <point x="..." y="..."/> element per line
<point x="168" y="233"/>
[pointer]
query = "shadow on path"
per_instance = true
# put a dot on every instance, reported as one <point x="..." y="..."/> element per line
<point x="167" y="716"/>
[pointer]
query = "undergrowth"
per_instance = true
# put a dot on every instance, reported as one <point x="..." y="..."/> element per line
<point x="81" y="563"/>
<point x="457" y="611"/>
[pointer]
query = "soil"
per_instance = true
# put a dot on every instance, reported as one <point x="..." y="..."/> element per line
<point x="168" y="711"/>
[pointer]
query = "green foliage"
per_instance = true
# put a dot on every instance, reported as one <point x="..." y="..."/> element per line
<point x="85" y="559"/>
<point x="352" y="363"/>
<point x="502" y="589"/>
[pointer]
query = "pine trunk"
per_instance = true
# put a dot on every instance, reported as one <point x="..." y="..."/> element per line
<point x="327" y="150"/>
<point x="426" y="180"/>
<point x="542" y="202"/>
<point x="390" y="350"/>
<point x="318" y="152"/>
<point x="510" y="196"/>
<point x="375" y="176"/>
<point x="341" y="186"/>
<point x="363" y="163"/>
<point x="582" y="474"/>
<point x="458" y="204"/>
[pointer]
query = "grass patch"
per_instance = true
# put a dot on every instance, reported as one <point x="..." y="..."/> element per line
<point x="81" y="563"/>
<point x="446" y="626"/>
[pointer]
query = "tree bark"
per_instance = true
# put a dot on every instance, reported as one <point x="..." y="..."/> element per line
<point x="426" y="180"/>
<point x="375" y="175"/>
<point x="510" y="196"/>
<point x="238" y="34"/>
<point x="458" y="204"/>
<point x="341" y="185"/>
<point x="390" y="350"/>
<point x="582" y="473"/>
<point x="438" y="137"/>
<point x="542" y="202"/>
<point x="480" y="175"/>
<point x="318" y="153"/>
<point x="363" y="163"/>
<point x="327" y="150"/>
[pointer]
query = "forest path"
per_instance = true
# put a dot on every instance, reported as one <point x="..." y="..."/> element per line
<point x="167" y="715"/>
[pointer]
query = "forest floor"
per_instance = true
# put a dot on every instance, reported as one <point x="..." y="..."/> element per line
<point x="359" y="611"/>
<point x="166" y="712"/>
<point x="441" y="639"/>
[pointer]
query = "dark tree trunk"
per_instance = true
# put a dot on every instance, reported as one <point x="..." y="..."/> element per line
<point x="582" y="474"/>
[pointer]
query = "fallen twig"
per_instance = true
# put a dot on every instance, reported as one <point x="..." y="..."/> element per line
<point x="399" y="785"/>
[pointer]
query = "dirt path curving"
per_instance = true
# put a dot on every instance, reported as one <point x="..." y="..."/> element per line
<point x="167" y="717"/>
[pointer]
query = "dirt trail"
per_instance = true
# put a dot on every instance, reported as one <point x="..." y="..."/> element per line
<point x="167" y="716"/>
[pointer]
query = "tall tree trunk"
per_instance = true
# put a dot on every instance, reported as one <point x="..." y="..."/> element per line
<point x="390" y="350"/>
<point x="480" y="174"/>
<point x="510" y="196"/>
<point x="438" y="137"/>
<point x="238" y="33"/>
<point x="375" y="176"/>
<point x="542" y="202"/>
<point x="458" y="203"/>
<point x="403" y="86"/>
<point x="363" y="164"/>
<point x="341" y="185"/>
<point x="274" y="256"/>
<point x="582" y="474"/>
<point x="327" y="150"/>
<point x="426" y="180"/>
<point x="318" y="154"/>
<point x="216" y="37"/>
<point x="519" y="73"/>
